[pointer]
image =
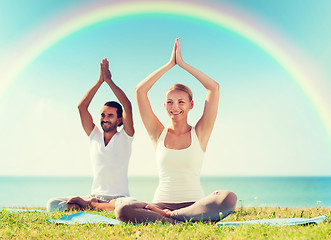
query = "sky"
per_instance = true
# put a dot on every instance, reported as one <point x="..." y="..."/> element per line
<point x="270" y="121"/>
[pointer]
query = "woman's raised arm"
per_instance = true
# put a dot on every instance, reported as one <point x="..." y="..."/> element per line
<point x="152" y="124"/>
<point x="205" y="125"/>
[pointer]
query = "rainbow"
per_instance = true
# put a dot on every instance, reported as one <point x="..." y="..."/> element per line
<point x="226" y="17"/>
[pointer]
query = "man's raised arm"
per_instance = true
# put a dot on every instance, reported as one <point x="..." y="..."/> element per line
<point x="127" y="117"/>
<point x="85" y="116"/>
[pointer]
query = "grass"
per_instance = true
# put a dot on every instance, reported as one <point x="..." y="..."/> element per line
<point x="34" y="226"/>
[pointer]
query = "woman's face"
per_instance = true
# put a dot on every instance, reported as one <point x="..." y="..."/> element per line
<point x="178" y="104"/>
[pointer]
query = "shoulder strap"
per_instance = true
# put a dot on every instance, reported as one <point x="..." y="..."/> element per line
<point x="194" y="135"/>
<point x="195" y="139"/>
<point x="163" y="135"/>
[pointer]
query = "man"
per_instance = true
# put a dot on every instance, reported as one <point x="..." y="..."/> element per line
<point x="110" y="149"/>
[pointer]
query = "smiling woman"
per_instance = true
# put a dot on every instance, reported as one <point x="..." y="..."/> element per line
<point x="178" y="104"/>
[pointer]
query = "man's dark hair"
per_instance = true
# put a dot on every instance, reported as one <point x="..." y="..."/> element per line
<point x="119" y="110"/>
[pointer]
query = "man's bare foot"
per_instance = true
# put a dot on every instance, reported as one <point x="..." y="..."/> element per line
<point x="80" y="201"/>
<point x="73" y="207"/>
<point x="93" y="200"/>
<point x="103" y="206"/>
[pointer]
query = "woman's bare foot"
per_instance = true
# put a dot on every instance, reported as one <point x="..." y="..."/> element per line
<point x="165" y="212"/>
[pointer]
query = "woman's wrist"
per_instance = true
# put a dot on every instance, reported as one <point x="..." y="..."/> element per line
<point x="169" y="65"/>
<point x="183" y="65"/>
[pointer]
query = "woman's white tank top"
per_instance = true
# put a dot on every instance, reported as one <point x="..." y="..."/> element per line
<point x="179" y="171"/>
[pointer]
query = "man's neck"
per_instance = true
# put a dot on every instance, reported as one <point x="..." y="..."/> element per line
<point x="107" y="136"/>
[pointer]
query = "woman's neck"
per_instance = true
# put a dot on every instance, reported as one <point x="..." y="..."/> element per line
<point x="179" y="128"/>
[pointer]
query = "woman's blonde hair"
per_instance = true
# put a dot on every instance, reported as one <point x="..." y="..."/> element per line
<point x="181" y="87"/>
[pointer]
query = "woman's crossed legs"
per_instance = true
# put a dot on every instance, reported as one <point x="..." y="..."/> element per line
<point x="215" y="206"/>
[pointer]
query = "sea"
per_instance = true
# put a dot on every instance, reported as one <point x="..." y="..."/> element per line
<point x="251" y="191"/>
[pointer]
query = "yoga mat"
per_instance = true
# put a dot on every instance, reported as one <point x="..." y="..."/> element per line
<point x="18" y="210"/>
<point x="83" y="218"/>
<point x="277" y="221"/>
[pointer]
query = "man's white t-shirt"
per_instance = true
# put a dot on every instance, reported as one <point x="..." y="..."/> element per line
<point x="110" y="163"/>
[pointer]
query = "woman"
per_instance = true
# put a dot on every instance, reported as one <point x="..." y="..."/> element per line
<point x="179" y="152"/>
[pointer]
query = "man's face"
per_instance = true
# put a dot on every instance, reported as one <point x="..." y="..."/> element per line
<point x="108" y="119"/>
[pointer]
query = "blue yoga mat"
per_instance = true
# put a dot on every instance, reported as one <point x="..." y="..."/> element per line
<point x="277" y="221"/>
<point x="83" y="218"/>
<point x="18" y="210"/>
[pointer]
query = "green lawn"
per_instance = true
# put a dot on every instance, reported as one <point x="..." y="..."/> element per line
<point x="34" y="226"/>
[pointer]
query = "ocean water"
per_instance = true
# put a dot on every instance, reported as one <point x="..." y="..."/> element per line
<point x="251" y="191"/>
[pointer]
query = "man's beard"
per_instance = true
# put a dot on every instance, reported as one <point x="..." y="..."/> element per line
<point x="108" y="127"/>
